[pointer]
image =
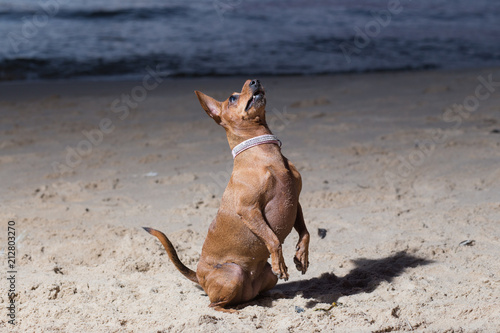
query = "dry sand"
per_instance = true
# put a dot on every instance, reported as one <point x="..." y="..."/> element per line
<point x="394" y="169"/>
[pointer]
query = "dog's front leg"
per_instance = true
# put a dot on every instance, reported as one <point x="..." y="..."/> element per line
<point x="301" y="258"/>
<point x="254" y="220"/>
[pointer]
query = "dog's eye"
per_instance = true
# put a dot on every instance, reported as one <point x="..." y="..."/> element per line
<point x="233" y="99"/>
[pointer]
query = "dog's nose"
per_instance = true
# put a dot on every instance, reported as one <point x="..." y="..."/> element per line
<point x="255" y="84"/>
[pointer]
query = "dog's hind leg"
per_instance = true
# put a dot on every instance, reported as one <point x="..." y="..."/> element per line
<point x="230" y="285"/>
<point x="227" y="284"/>
<point x="266" y="281"/>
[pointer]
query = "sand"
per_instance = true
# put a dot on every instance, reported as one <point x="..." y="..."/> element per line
<point x="399" y="169"/>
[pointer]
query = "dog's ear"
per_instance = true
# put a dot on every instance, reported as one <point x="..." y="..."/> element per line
<point x="210" y="105"/>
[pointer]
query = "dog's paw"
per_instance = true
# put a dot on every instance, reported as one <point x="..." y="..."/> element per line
<point x="223" y="309"/>
<point x="278" y="265"/>
<point x="301" y="260"/>
<point x="282" y="273"/>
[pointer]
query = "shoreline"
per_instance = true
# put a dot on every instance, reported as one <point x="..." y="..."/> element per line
<point x="87" y="82"/>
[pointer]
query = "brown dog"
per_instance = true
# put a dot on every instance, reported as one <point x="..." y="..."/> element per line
<point x="259" y="208"/>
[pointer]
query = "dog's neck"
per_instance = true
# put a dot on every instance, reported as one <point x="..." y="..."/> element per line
<point x="235" y="136"/>
<point x="255" y="141"/>
<point x="244" y="139"/>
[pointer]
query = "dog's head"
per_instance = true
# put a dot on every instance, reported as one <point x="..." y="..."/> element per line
<point x="240" y="110"/>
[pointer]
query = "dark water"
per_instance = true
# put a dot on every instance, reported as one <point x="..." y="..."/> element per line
<point x="57" y="39"/>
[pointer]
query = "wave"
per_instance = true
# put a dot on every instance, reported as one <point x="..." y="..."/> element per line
<point x="64" y="68"/>
<point x="95" y="14"/>
<point x="135" y="67"/>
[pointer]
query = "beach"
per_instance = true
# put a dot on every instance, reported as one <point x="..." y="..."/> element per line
<point x="401" y="195"/>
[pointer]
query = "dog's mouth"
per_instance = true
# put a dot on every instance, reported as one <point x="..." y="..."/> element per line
<point x="257" y="96"/>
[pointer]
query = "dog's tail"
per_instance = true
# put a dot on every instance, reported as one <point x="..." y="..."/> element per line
<point x="191" y="275"/>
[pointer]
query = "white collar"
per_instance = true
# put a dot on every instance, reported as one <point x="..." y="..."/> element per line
<point x="258" y="140"/>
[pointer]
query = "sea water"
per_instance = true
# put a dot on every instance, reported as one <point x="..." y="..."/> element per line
<point x="60" y="39"/>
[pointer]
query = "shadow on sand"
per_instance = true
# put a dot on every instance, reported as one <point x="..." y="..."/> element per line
<point x="365" y="278"/>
